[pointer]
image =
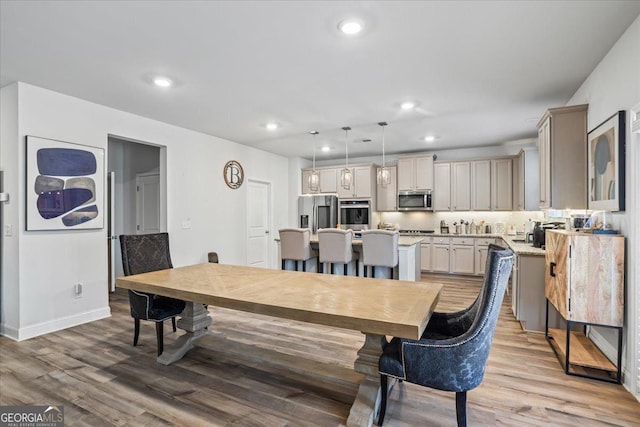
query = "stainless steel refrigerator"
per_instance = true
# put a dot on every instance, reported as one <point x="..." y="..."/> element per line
<point x="316" y="212"/>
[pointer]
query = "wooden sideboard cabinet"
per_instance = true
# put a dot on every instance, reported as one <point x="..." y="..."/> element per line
<point x="584" y="281"/>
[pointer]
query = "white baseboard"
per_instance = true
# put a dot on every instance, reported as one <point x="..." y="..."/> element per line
<point x="612" y="354"/>
<point x="54" y="325"/>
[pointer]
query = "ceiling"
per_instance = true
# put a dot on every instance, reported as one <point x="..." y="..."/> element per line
<point x="482" y="73"/>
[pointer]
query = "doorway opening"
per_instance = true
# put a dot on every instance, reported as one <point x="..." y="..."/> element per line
<point x="136" y="194"/>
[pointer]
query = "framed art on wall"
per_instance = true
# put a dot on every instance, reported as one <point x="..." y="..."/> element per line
<point x="606" y="156"/>
<point x="65" y="185"/>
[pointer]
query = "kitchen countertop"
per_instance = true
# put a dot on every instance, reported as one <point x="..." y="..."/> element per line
<point x="402" y="241"/>
<point x="518" y="247"/>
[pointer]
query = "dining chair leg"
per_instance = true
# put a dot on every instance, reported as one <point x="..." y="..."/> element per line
<point x="160" y="336"/>
<point x="283" y="263"/>
<point x="384" y="381"/>
<point x="461" y="408"/>
<point x="136" y="331"/>
<point x="173" y="323"/>
<point x="346" y="264"/>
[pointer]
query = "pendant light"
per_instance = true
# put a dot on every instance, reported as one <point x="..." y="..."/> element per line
<point x="314" y="177"/>
<point x="384" y="175"/>
<point x="345" y="174"/>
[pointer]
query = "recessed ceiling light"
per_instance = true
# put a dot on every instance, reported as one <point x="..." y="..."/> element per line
<point x="272" y="126"/>
<point x="162" y="81"/>
<point x="408" y="105"/>
<point x="430" y="138"/>
<point x="326" y="148"/>
<point x="351" y="26"/>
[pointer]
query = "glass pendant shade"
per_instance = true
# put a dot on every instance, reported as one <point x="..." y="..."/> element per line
<point x="345" y="174"/>
<point x="314" y="180"/>
<point x="345" y="178"/>
<point x="384" y="176"/>
<point x="314" y="177"/>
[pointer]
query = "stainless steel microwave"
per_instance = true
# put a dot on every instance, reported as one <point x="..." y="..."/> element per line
<point x="415" y="201"/>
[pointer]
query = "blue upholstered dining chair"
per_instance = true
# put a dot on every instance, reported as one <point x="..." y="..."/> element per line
<point x="143" y="253"/>
<point x="452" y="352"/>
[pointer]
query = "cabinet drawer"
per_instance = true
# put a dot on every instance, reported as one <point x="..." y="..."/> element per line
<point x="485" y="242"/>
<point x="462" y="241"/>
<point x="441" y="240"/>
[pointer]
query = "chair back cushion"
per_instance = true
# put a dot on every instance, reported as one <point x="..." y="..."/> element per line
<point x="334" y="245"/>
<point x="295" y="244"/>
<point x="456" y="363"/>
<point x="142" y="253"/>
<point x="380" y="248"/>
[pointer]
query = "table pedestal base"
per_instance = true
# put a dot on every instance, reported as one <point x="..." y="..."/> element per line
<point x="367" y="403"/>
<point x="194" y="321"/>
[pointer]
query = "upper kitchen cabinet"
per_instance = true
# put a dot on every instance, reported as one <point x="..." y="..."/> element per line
<point x="387" y="200"/>
<point x="363" y="185"/>
<point x="415" y="173"/>
<point x="328" y="181"/>
<point x="502" y="184"/>
<point x="562" y="144"/>
<point x="452" y="190"/>
<point x="461" y="186"/>
<point x="442" y="187"/>
<point x="526" y="177"/>
<point x="481" y="185"/>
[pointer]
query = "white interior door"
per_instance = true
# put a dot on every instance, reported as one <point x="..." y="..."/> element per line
<point x="147" y="203"/>
<point x="258" y="223"/>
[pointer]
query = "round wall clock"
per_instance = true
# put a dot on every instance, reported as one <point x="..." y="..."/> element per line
<point x="233" y="174"/>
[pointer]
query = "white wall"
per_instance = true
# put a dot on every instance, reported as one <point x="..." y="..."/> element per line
<point x="615" y="85"/>
<point x="50" y="263"/>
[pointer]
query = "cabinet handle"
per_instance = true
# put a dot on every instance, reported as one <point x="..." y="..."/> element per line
<point x="552" y="266"/>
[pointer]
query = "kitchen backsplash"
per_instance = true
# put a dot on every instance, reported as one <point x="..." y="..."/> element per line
<point x="431" y="220"/>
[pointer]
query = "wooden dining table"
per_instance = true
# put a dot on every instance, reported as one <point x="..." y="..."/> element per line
<point x="376" y="307"/>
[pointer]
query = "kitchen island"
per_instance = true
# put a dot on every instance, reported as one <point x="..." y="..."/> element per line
<point x="408" y="258"/>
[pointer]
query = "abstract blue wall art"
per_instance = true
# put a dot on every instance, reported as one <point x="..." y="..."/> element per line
<point x="65" y="185"/>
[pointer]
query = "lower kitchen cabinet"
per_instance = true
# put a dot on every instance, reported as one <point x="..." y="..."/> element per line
<point x="462" y="259"/>
<point x="528" y="301"/>
<point x="440" y="255"/>
<point x="425" y="255"/>
<point x="481" y="249"/>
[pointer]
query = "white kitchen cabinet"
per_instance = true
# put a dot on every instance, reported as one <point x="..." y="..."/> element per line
<point x="387" y="199"/>
<point x="462" y="255"/>
<point x="481" y="247"/>
<point x="481" y="185"/>
<point x="562" y="144"/>
<point x="415" y="173"/>
<point x="425" y="254"/>
<point x="328" y="180"/>
<point x="526" y="180"/>
<point x="440" y="255"/>
<point x="502" y="184"/>
<point x="461" y="186"/>
<point x="442" y="188"/>
<point x="362" y="185"/>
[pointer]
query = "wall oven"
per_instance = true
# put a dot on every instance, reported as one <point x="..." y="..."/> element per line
<point x="415" y="201"/>
<point x="355" y="214"/>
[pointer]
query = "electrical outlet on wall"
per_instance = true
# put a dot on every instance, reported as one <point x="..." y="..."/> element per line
<point x="77" y="289"/>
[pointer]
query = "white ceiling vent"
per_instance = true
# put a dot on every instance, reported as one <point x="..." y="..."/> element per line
<point x="635" y="119"/>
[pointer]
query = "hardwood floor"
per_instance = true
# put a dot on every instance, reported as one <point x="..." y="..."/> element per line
<point x="259" y="371"/>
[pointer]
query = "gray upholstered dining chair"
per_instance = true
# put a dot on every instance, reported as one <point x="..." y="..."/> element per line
<point x="335" y="247"/>
<point x="380" y="249"/>
<point x="295" y="245"/>
<point x="452" y="353"/>
<point x="143" y="253"/>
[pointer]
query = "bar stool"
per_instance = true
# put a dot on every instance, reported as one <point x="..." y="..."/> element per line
<point x="380" y="249"/>
<point x="295" y="246"/>
<point x="335" y="247"/>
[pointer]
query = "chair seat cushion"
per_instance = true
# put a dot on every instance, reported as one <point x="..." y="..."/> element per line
<point x="164" y="308"/>
<point x="391" y="360"/>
